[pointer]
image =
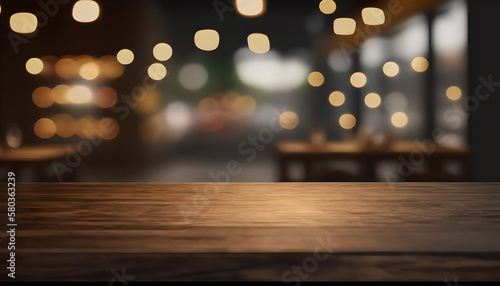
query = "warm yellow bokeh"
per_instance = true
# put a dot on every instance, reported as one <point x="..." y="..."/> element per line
<point x="347" y="121"/>
<point x="344" y="26"/>
<point x="289" y="120"/>
<point x="258" y="43"/>
<point x="358" y="79"/>
<point x="86" y="11"/>
<point x="399" y="119"/>
<point x="316" y="79"/>
<point x="337" y="98"/>
<point x="207" y="40"/>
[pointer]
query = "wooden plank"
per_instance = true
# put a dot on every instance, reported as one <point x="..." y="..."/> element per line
<point x="64" y="228"/>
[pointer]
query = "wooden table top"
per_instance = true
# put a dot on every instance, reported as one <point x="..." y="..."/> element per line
<point x="74" y="222"/>
<point x="354" y="147"/>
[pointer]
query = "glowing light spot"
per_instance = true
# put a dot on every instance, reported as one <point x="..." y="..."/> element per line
<point x="162" y="52"/>
<point x="157" y="71"/>
<point x="420" y="64"/>
<point x="327" y="7"/>
<point x="316" y="79"/>
<point x="14" y="137"/>
<point x="34" y="66"/>
<point x="66" y="68"/>
<point x="344" y="26"/>
<point x="23" y="23"/>
<point x="43" y="97"/>
<point x="206" y="40"/>
<point x="253" y="8"/>
<point x="391" y="69"/>
<point x="106" y="97"/>
<point x="79" y="94"/>
<point x="89" y="71"/>
<point x="86" y="11"/>
<point x="244" y="105"/>
<point x="373" y="100"/>
<point x="178" y="119"/>
<point x="61" y="94"/>
<point x="65" y="125"/>
<point x="399" y="119"/>
<point x="289" y="120"/>
<point x="358" y="80"/>
<point x="45" y="128"/>
<point x="337" y="98"/>
<point x="347" y="121"/>
<point x="454" y="93"/>
<point x="373" y="16"/>
<point x="109" y="127"/>
<point x="193" y="77"/>
<point x="111" y="67"/>
<point x="85" y="125"/>
<point x="125" y="56"/>
<point x="258" y="43"/>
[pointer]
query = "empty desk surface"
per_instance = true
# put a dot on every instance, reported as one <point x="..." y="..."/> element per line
<point x="257" y="231"/>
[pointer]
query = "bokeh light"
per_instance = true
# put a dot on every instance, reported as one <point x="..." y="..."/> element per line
<point x="399" y="119"/>
<point x="289" y="120"/>
<point x="45" y="128"/>
<point x="344" y="26"/>
<point x="61" y="94"/>
<point x="34" y="66"/>
<point x="79" y="94"/>
<point x="206" y="40"/>
<point x="23" y="23"/>
<point x="454" y="93"/>
<point x="373" y="16"/>
<point x="105" y="97"/>
<point x="66" y="68"/>
<point x="316" y="79"/>
<point x="89" y="71"/>
<point x="420" y="64"/>
<point x="65" y="125"/>
<point x="337" y="98"/>
<point x="358" y="79"/>
<point x="125" y="56"/>
<point x="258" y="43"/>
<point x="347" y="121"/>
<point x="86" y="11"/>
<point x="373" y="100"/>
<point x="43" y="97"/>
<point x="109" y="128"/>
<point x="327" y="6"/>
<point x="250" y="9"/>
<point x="193" y="77"/>
<point x="162" y="52"/>
<point x="391" y="69"/>
<point x="157" y="71"/>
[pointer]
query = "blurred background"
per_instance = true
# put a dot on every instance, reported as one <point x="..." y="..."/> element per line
<point x="249" y="90"/>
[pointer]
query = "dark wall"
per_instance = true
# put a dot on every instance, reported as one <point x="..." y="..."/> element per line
<point x="484" y="63"/>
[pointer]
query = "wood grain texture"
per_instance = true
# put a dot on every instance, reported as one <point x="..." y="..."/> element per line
<point x="264" y="228"/>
